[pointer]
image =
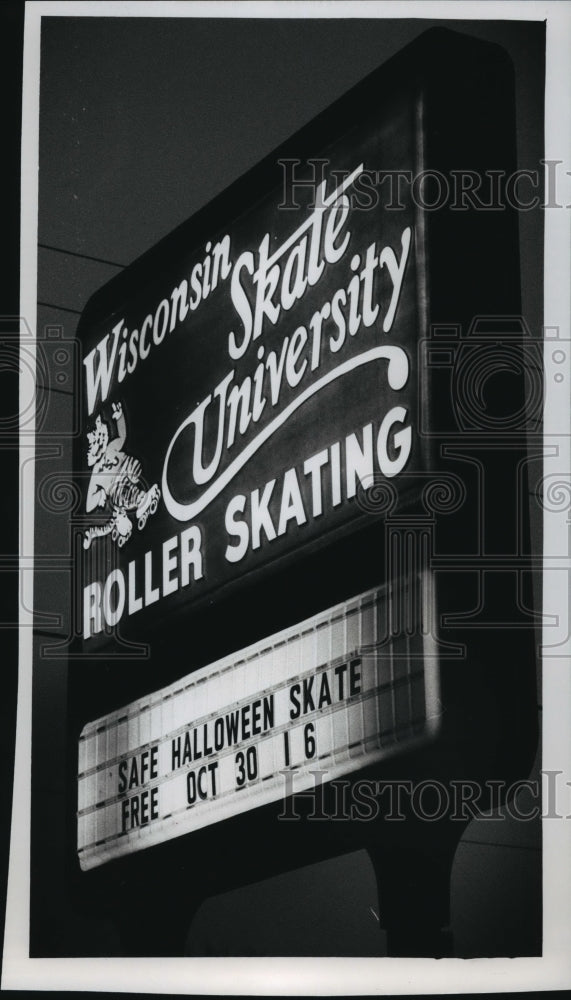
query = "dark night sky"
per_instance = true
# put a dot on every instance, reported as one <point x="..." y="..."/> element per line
<point x="143" y="122"/>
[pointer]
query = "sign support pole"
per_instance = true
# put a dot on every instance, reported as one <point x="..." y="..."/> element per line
<point x="414" y="900"/>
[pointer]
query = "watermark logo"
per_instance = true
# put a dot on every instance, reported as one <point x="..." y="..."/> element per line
<point x="429" y="800"/>
<point x="458" y="190"/>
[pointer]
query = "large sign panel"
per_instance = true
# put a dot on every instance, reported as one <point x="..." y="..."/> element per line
<point x="237" y="400"/>
<point x="340" y="691"/>
<point x="244" y="385"/>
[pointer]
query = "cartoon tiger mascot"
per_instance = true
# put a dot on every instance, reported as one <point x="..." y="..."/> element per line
<point x="116" y="483"/>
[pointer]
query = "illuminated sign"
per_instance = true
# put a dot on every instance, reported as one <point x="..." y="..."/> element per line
<point x="314" y="389"/>
<point x="255" y="379"/>
<point x="342" y="690"/>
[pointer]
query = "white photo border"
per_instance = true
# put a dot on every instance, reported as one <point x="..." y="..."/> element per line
<point x="313" y="976"/>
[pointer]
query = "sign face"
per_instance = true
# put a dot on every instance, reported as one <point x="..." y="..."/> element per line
<point x="344" y="689"/>
<point x="239" y="398"/>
